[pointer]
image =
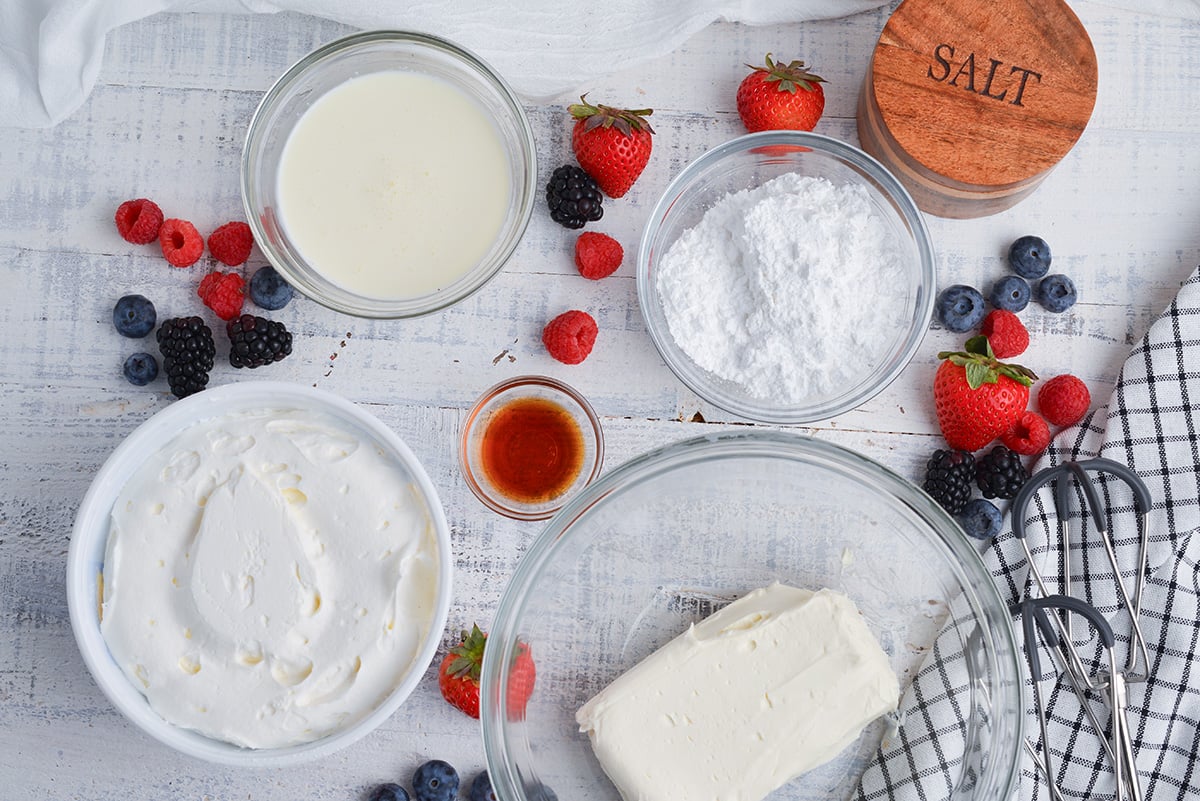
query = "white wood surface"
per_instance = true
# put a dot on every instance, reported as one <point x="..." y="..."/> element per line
<point x="166" y="121"/>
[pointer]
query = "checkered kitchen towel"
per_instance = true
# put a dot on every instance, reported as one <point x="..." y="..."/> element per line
<point x="1152" y="424"/>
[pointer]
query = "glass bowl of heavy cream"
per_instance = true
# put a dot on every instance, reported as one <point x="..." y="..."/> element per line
<point x="259" y="574"/>
<point x="786" y="277"/>
<point x="389" y="174"/>
<point x="740" y="616"/>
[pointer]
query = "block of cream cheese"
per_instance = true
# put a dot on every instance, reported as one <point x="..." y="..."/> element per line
<point x="773" y="685"/>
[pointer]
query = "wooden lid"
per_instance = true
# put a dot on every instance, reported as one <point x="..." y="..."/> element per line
<point x="977" y="96"/>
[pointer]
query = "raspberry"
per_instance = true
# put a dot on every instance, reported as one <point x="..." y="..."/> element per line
<point x="1006" y="333"/>
<point x="230" y="244"/>
<point x="1064" y="400"/>
<point x="569" y="336"/>
<point x="181" y="243"/>
<point x="597" y="255"/>
<point x="1029" y="436"/>
<point x="138" y="221"/>
<point x="223" y="293"/>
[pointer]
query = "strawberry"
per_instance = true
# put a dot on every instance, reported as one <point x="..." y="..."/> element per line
<point x="978" y="398"/>
<point x="458" y="675"/>
<point x="611" y="144"/>
<point x="778" y="97"/>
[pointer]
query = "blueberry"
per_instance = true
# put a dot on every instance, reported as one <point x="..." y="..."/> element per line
<point x="481" y="788"/>
<point x="141" y="369"/>
<point x="435" y="781"/>
<point x="1010" y="293"/>
<point x="960" y="307"/>
<point x="1056" y="293"/>
<point x="268" y="290"/>
<point x="388" y="792"/>
<point x="980" y="519"/>
<point x="1029" y="257"/>
<point x="134" y="316"/>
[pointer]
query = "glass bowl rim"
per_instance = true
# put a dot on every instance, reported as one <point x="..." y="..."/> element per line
<point x="496" y="503"/>
<point x="388" y="308"/>
<point x="979" y="585"/>
<point x="694" y="377"/>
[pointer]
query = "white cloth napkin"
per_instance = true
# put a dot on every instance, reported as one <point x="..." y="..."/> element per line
<point x="1152" y="424"/>
<point x="51" y="50"/>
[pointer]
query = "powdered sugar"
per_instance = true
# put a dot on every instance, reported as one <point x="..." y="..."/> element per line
<point x="793" y="290"/>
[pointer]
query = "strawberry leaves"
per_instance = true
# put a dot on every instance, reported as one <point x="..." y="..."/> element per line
<point x="791" y="77"/>
<point x="982" y="366"/>
<point x="600" y="116"/>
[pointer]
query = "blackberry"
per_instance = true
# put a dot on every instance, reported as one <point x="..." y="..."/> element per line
<point x="948" y="476"/>
<point x="255" y="341"/>
<point x="188" y="351"/>
<point x="574" y="198"/>
<point x="1000" y="474"/>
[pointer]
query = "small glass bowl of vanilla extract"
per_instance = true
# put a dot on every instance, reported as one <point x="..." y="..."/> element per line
<point x="529" y="443"/>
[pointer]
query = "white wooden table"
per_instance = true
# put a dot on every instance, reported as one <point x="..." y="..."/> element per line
<point x="166" y="121"/>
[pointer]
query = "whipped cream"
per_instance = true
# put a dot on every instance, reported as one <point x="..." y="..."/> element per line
<point x="773" y="685"/>
<point x="269" y="577"/>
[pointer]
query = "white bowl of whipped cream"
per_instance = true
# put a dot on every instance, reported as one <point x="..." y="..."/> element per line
<point x="259" y="574"/>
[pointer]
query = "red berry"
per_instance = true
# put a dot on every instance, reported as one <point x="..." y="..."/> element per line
<point x="1006" y="333"/>
<point x="597" y="255"/>
<point x="181" y="243"/>
<point x="569" y="337"/>
<point x="223" y="293"/>
<point x="230" y="244"/>
<point x="780" y="96"/>
<point x="1064" y="400"/>
<point x="1029" y="436"/>
<point x="138" y="221"/>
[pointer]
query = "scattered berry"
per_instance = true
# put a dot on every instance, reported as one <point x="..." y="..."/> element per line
<point x="134" y="316"/>
<point x="1029" y="257"/>
<point x="1011" y="293"/>
<point x="188" y="351"/>
<point x="224" y="293"/>
<point x="268" y="290"/>
<point x="976" y="397"/>
<point x="779" y="97"/>
<point x="230" y="244"/>
<point x="481" y="788"/>
<point x="597" y="255"/>
<point x="999" y="473"/>
<point x="573" y="197"/>
<point x="611" y="144"/>
<point x="435" y="781"/>
<point x="458" y="675"/>
<point x="388" y="792"/>
<point x="1029" y="436"/>
<point x="141" y="369"/>
<point x="980" y="519"/>
<point x="138" y="221"/>
<point x="181" y="243"/>
<point x="569" y="337"/>
<point x="1056" y="293"/>
<point x="948" y="479"/>
<point x="960" y="307"/>
<point x="255" y="341"/>
<point x="1064" y="400"/>
<point x="1006" y="333"/>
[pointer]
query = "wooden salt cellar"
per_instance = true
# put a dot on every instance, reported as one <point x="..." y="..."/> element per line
<point x="971" y="104"/>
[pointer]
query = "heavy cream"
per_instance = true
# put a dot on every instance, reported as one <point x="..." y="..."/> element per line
<point x="773" y="685"/>
<point x="394" y="184"/>
<point x="269" y="577"/>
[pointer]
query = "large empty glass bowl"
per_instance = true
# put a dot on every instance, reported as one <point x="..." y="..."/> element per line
<point x="671" y="536"/>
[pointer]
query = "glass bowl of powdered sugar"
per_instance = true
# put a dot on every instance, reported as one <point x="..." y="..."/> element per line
<point x="786" y="277"/>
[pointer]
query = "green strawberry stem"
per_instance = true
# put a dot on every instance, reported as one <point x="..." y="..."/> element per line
<point x="599" y="116"/>
<point x="468" y="655"/>
<point x="982" y="366"/>
<point x="791" y="77"/>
